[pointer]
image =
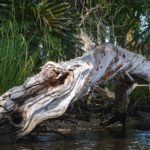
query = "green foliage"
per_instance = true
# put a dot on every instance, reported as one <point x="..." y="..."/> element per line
<point x="141" y="92"/>
<point x="31" y="33"/>
<point x="115" y="20"/>
<point x="16" y="62"/>
<point x="44" y="19"/>
<point x="35" y="31"/>
<point x="111" y="85"/>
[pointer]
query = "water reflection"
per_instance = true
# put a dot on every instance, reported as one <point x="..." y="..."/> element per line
<point x="90" y="140"/>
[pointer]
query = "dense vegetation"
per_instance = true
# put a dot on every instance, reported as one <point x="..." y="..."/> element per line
<point x="35" y="31"/>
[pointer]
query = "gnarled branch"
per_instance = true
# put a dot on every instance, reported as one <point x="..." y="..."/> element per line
<point x="49" y="93"/>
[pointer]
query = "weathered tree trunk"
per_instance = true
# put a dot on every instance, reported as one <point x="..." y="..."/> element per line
<point x="49" y="93"/>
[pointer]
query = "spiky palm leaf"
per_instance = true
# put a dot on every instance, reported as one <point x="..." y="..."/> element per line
<point x="51" y="15"/>
<point x="48" y="15"/>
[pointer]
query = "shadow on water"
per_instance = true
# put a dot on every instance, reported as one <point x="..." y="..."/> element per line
<point x="108" y="139"/>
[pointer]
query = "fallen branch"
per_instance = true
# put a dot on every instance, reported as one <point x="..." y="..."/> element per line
<point x="105" y="92"/>
<point x="49" y="93"/>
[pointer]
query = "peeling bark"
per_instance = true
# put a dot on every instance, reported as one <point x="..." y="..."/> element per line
<point x="49" y="93"/>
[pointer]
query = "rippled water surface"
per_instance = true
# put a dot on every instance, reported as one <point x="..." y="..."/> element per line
<point x="89" y="140"/>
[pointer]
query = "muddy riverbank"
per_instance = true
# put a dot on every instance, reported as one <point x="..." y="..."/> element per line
<point x="91" y="114"/>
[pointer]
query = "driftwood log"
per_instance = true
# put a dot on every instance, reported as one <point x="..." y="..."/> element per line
<point x="49" y="93"/>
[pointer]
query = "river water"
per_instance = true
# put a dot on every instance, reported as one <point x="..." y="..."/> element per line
<point x="107" y="139"/>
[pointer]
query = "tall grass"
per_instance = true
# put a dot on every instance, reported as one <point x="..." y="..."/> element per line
<point x="23" y="49"/>
<point x="16" y="60"/>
